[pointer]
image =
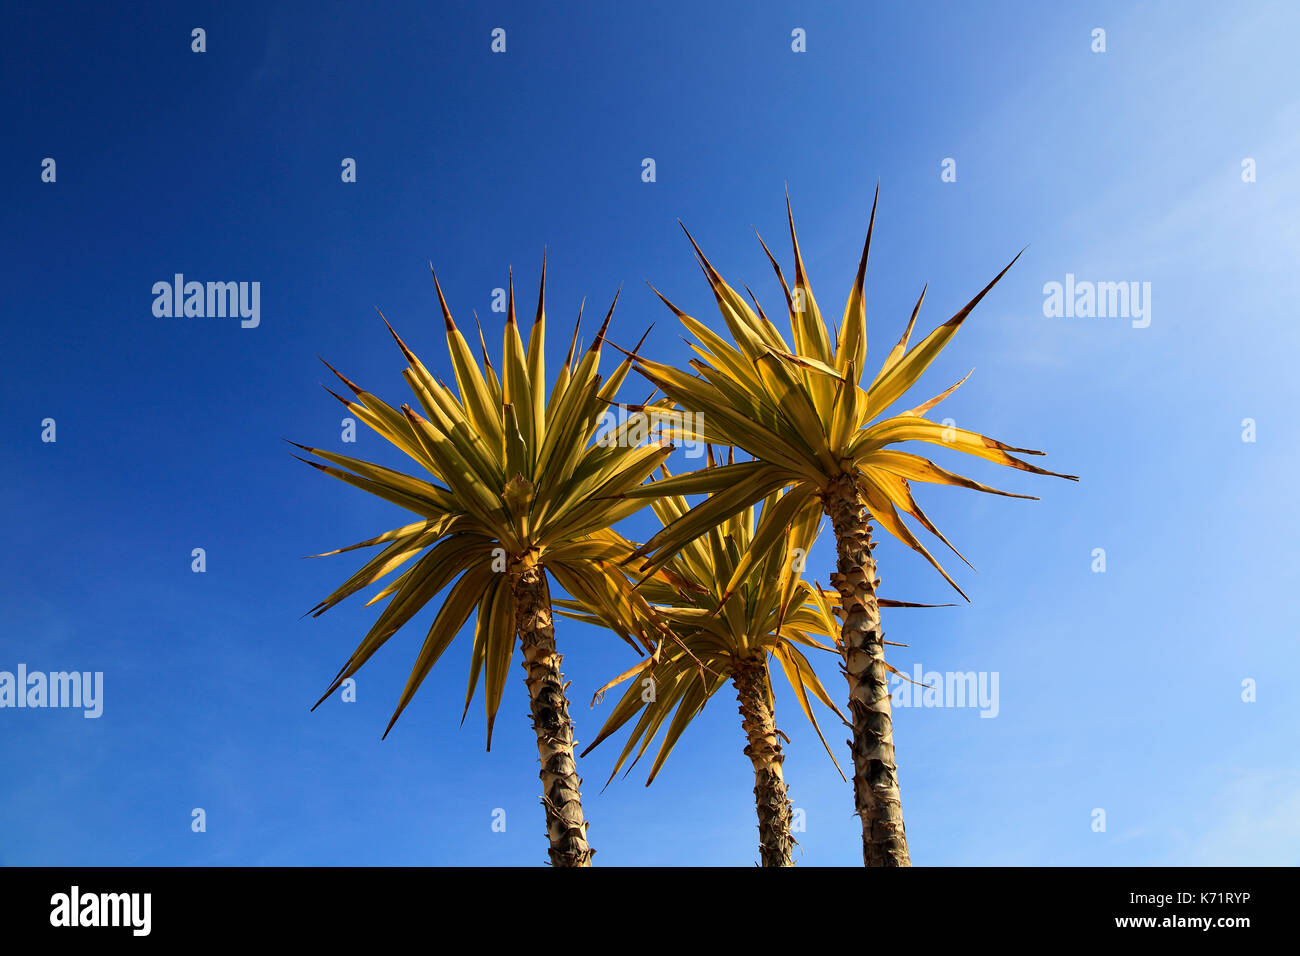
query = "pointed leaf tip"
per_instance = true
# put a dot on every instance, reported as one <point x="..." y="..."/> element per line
<point x="713" y="276"/>
<point x="442" y="302"/>
<point x="406" y="352"/>
<point x="343" y="378"/>
<point x="604" y="326"/>
<point x="541" y="291"/>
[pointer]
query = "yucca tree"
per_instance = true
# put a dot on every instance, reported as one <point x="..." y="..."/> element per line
<point x="800" y="411"/>
<point x="773" y="613"/>
<point x="513" y="489"/>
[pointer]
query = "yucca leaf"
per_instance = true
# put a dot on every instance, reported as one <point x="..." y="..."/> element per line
<point x="888" y="386"/>
<point x="851" y="350"/>
<point x="451" y="617"/>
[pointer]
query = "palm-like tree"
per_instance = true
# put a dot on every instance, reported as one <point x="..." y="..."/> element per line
<point x="707" y="643"/>
<point x="810" y="426"/>
<point x="514" y="489"/>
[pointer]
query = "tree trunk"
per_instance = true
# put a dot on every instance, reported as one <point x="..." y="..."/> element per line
<point x="775" y="843"/>
<point x="875" y="775"/>
<point x="565" y="825"/>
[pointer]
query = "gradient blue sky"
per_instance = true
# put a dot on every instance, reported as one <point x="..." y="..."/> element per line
<point x="1119" y="691"/>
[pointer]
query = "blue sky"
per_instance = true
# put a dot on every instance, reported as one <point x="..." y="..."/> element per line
<point x="1119" y="691"/>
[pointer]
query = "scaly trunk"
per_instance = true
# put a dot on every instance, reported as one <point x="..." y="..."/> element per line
<point x="565" y="825"/>
<point x="764" y="751"/>
<point x="875" y="776"/>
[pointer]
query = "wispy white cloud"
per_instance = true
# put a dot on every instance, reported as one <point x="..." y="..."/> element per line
<point x="1253" y="820"/>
